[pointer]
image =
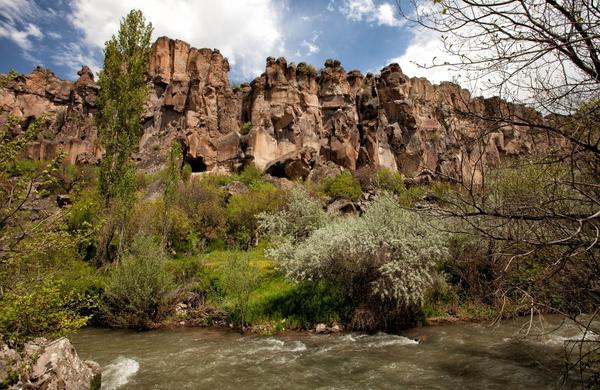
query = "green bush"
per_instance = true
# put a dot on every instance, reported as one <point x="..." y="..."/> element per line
<point x="8" y="77"/>
<point x="250" y="176"/>
<point x="387" y="180"/>
<point x="243" y="211"/>
<point x="170" y="225"/>
<point x="186" y="173"/>
<point x="342" y="186"/>
<point x="136" y="292"/>
<point x="44" y="309"/>
<point x="239" y="279"/>
<point x="245" y="128"/>
<point x="205" y="206"/>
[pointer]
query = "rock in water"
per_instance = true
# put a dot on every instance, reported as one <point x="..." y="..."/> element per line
<point x="51" y="365"/>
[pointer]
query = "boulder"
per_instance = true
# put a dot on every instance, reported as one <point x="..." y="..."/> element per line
<point x="51" y="365"/>
<point x="293" y="165"/>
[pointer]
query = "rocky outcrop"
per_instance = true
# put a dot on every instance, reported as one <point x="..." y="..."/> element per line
<point x="43" y="364"/>
<point x="192" y="102"/>
<point x="292" y="117"/>
<point x="68" y="107"/>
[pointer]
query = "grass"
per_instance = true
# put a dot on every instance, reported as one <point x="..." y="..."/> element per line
<point x="277" y="303"/>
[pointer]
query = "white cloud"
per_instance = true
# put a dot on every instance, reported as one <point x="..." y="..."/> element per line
<point x="385" y="15"/>
<point x="18" y="10"/>
<point x="21" y="37"/>
<point x="330" y="6"/>
<point x="54" y="35"/>
<point x="359" y="10"/>
<point x="310" y="47"/>
<point x="73" y="56"/>
<point x="246" y="31"/>
<point x="424" y="50"/>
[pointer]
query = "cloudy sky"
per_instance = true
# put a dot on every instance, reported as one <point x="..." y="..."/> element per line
<point x="364" y="34"/>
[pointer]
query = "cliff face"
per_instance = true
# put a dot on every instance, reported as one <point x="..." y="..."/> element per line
<point x="298" y="118"/>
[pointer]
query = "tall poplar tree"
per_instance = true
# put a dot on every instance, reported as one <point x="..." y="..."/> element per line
<point x="123" y="91"/>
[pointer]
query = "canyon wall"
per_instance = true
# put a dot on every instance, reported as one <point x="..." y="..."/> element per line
<point x="286" y="121"/>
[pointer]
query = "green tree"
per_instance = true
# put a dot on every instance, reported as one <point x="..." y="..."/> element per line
<point x="123" y="92"/>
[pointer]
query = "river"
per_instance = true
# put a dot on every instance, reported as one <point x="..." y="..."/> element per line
<point x="460" y="356"/>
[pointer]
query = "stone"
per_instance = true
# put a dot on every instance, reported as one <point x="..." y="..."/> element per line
<point x="236" y="187"/>
<point x="321" y="328"/>
<point x="341" y="206"/>
<point x="293" y="165"/>
<point x="51" y="365"/>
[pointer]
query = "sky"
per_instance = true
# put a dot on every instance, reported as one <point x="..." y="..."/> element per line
<point x="63" y="35"/>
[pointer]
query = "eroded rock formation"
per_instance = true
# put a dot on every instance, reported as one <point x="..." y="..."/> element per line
<point x="287" y="121"/>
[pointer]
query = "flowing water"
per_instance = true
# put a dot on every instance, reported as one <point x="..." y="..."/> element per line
<point x="463" y="356"/>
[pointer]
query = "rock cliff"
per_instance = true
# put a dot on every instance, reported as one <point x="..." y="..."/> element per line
<point x="286" y="121"/>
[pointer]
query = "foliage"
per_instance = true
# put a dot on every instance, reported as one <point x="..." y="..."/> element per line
<point x="136" y="292"/>
<point x="300" y="216"/>
<point x="243" y="210"/>
<point x="169" y="225"/>
<point x="390" y="181"/>
<point x="245" y="128"/>
<point x="120" y="101"/>
<point x="240" y="278"/>
<point x="204" y="204"/>
<point x="186" y="172"/>
<point x="47" y="309"/>
<point x="342" y="186"/>
<point x="8" y="77"/>
<point x="250" y="176"/>
<point x="386" y="255"/>
<point x="306" y="69"/>
<point x="173" y="175"/>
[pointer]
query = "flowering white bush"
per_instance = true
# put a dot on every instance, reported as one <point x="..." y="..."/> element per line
<point x="388" y="253"/>
<point x="301" y="216"/>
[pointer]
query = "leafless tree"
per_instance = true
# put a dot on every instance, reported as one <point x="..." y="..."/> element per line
<point x="544" y="210"/>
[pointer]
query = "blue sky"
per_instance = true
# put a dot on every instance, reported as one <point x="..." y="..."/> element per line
<point x="363" y="34"/>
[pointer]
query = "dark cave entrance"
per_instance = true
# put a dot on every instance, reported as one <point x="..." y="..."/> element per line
<point x="197" y="164"/>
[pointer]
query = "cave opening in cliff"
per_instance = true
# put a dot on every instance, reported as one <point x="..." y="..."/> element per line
<point x="197" y="164"/>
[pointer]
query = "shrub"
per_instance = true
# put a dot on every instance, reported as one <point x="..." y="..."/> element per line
<point x="243" y="211"/>
<point x="45" y="309"/>
<point x="8" y="77"/>
<point x="387" y="180"/>
<point x="245" y="128"/>
<point x="186" y="173"/>
<point x="250" y="176"/>
<point x="170" y="225"/>
<point x="136" y="291"/>
<point x="300" y="216"/>
<point x="388" y="255"/>
<point x="240" y="278"/>
<point x="342" y="186"/>
<point x="204" y="204"/>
